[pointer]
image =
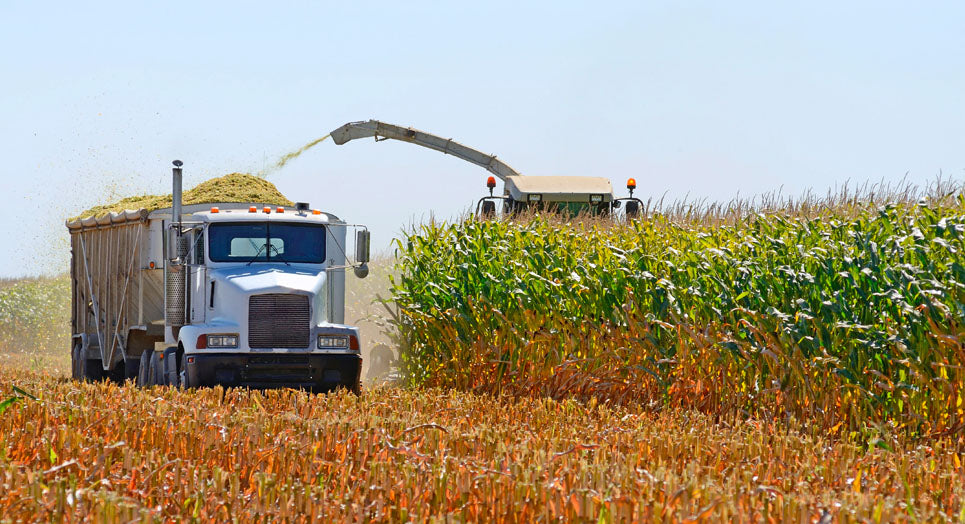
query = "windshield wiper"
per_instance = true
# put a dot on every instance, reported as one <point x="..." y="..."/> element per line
<point x="271" y="257"/>
<point x="257" y="254"/>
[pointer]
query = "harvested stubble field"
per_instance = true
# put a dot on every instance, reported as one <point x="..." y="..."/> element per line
<point x="103" y="452"/>
<point x="789" y="361"/>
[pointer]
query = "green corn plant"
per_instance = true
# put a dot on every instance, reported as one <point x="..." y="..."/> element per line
<point x="848" y="315"/>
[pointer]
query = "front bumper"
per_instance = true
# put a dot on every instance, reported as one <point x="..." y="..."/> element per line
<point x="314" y="371"/>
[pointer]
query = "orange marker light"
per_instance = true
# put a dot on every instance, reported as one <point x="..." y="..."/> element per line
<point x="280" y="210"/>
<point x="267" y="210"/>
<point x="631" y="183"/>
<point x="252" y="209"/>
<point x="316" y="212"/>
<point x="491" y="182"/>
<point x="215" y="210"/>
<point x="151" y="265"/>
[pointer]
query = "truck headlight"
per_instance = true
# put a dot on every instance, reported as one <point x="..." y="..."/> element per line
<point x="223" y="341"/>
<point x="333" y="342"/>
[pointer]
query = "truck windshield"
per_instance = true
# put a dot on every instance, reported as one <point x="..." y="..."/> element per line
<point x="266" y="242"/>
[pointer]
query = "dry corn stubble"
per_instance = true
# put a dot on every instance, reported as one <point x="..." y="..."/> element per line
<point x="101" y="451"/>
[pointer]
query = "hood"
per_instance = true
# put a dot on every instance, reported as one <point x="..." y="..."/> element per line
<point x="234" y="285"/>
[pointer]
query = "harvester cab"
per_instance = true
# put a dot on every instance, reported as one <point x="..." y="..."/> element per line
<point x="562" y="194"/>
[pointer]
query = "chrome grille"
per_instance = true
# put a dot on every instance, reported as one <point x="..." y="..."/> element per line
<point x="279" y="321"/>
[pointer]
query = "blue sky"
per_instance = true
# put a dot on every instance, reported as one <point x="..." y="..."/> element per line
<point x="706" y="99"/>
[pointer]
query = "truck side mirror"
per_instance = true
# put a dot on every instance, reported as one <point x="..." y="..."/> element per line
<point x="488" y="209"/>
<point x="362" y="247"/>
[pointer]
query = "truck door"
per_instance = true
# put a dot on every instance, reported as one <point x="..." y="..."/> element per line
<point x="198" y="279"/>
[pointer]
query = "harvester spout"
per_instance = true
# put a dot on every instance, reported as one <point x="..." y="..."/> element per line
<point x="382" y="131"/>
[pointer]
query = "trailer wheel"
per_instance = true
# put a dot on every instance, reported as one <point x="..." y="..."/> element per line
<point x="155" y="372"/>
<point x="93" y="370"/>
<point x="76" y="365"/>
<point x="144" y="370"/>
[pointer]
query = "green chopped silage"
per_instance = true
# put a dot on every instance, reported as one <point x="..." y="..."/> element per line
<point x="236" y="187"/>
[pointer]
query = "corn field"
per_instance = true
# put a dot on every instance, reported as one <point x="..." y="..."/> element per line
<point x="846" y="317"/>
<point x="769" y="361"/>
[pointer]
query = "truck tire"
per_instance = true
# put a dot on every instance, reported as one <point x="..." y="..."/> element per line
<point x="144" y="370"/>
<point x="183" y="380"/>
<point x="169" y="367"/>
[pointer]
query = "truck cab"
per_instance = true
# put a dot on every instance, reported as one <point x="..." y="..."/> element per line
<point x="265" y="300"/>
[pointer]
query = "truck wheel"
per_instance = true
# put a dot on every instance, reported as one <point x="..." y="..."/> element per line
<point x="169" y="367"/>
<point x="144" y="370"/>
<point x="183" y="380"/>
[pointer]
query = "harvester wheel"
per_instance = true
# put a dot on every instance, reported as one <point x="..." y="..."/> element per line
<point x="144" y="370"/>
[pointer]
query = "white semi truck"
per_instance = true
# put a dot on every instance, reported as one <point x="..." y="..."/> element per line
<point x="236" y="294"/>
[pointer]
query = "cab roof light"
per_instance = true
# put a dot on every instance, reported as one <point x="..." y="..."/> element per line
<point x="279" y="210"/>
<point x="252" y="209"/>
<point x="214" y="209"/>
<point x="316" y="212"/>
<point x="267" y="210"/>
